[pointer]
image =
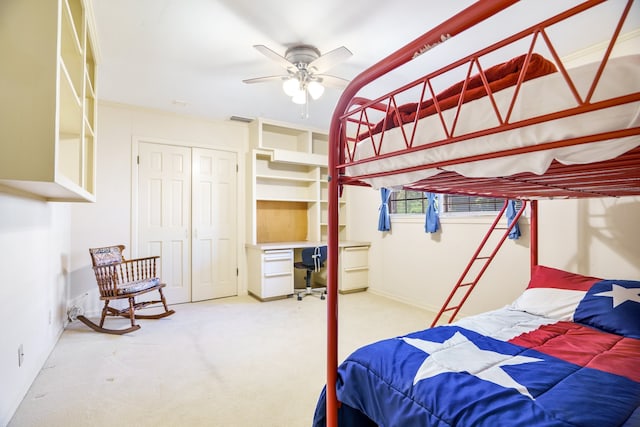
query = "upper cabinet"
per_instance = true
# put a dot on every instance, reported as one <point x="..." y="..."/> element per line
<point x="48" y="86"/>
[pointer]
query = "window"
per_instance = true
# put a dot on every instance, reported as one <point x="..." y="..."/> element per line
<point x="415" y="202"/>
<point x="407" y="202"/>
<point x="458" y="203"/>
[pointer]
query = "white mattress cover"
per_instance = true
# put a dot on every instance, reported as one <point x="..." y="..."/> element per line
<point x="538" y="96"/>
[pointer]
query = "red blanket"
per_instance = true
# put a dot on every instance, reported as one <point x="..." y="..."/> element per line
<point x="499" y="77"/>
<point x="585" y="346"/>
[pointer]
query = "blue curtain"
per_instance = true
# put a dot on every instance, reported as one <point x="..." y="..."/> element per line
<point x="432" y="220"/>
<point x="384" y="222"/>
<point x="511" y="214"/>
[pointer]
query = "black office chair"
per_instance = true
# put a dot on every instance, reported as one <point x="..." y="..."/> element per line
<point x="312" y="260"/>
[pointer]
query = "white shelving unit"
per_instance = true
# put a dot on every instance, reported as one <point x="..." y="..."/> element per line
<point x="324" y="208"/>
<point x="48" y="86"/>
<point x="284" y="181"/>
<point x="288" y="164"/>
<point x="288" y="196"/>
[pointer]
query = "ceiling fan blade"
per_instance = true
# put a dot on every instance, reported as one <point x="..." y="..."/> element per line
<point x="275" y="57"/>
<point x="330" y="59"/>
<point x="265" y="79"/>
<point x="332" y="81"/>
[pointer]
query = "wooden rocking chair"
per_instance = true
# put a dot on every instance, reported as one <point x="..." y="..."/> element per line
<point x="120" y="278"/>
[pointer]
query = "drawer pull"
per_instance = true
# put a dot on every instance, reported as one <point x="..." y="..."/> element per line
<point x="356" y="268"/>
<point x="277" y="258"/>
<point x="284" y="273"/>
<point x="355" y="248"/>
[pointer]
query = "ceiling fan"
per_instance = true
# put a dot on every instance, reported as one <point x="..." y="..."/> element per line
<point x="305" y="70"/>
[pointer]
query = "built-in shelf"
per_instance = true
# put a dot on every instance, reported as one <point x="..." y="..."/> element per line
<point x="288" y="193"/>
<point x="48" y="86"/>
<point x="288" y="165"/>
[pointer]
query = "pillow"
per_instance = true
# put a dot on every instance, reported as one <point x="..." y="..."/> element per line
<point x="609" y="305"/>
<point x="612" y="306"/>
<point x="553" y="293"/>
<point x="107" y="256"/>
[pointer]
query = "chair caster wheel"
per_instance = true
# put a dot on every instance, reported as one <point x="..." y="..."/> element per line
<point x="299" y="298"/>
<point x="322" y="296"/>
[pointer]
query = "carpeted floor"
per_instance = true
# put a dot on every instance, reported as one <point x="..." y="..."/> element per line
<point x="228" y="362"/>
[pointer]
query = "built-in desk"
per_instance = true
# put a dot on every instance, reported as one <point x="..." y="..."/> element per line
<point x="271" y="272"/>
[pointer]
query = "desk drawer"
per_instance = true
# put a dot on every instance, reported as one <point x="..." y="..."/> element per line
<point x="277" y="263"/>
<point x="354" y="268"/>
<point x="277" y="286"/>
<point x="356" y="256"/>
<point x="352" y="279"/>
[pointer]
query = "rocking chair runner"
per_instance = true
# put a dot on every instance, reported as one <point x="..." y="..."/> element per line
<point x="119" y="278"/>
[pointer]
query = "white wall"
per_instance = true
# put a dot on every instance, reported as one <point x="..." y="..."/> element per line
<point x="596" y="237"/>
<point x="34" y="277"/>
<point x="108" y="221"/>
<point x="421" y="269"/>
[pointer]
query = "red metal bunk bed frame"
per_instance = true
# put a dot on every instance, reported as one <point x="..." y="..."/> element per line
<point x="615" y="177"/>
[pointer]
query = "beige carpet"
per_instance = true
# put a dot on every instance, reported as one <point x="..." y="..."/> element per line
<point x="228" y="362"/>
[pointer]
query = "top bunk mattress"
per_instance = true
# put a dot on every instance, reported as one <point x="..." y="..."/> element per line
<point x="536" y="98"/>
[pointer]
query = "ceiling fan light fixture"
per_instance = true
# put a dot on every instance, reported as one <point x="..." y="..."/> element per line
<point x="291" y="86"/>
<point x="305" y="71"/>
<point x="315" y="89"/>
<point x="300" y="97"/>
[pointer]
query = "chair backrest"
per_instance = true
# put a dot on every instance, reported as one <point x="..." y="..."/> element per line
<point x="107" y="255"/>
<point x="314" y="257"/>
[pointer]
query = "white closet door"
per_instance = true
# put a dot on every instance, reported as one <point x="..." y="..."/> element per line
<point x="164" y="214"/>
<point x="215" y="222"/>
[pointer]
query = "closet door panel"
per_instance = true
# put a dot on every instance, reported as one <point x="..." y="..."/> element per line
<point x="164" y="212"/>
<point x="214" y="261"/>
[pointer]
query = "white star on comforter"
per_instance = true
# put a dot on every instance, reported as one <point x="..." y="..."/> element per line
<point x="620" y="294"/>
<point x="459" y="354"/>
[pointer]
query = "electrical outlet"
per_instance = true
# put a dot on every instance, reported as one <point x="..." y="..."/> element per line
<point x="20" y="355"/>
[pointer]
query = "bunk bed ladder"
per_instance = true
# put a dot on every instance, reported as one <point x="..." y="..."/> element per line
<point x="466" y="283"/>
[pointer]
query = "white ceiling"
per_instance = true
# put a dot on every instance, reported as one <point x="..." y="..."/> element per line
<point x="190" y="56"/>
